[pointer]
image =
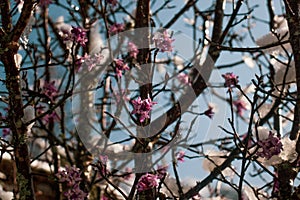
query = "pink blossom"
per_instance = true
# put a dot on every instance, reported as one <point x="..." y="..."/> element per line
<point x="116" y="28"/>
<point x="163" y="41"/>
<point x="89" y="61"/>
<point x="128" y="173"/>
<point x="209" y="112"/>
<point x="184" y="78"/>
<point x="142" y="107"/>
<point x="45" y="3"/>
<point x="240" y="106"/>
<point x="50" y="90"/>
<point x="103" y="159"/>
<point x="77" y="35"/>
<point x="70" y="175"/>
<point x="112" y="2"/>
<point x="230" y="80"/>
<point x="52" y="116"/>
<point x="180" y="156"/>
<point x="147" y="182"/>
<point x="133" y="50"/>
<point x="75" y="193"/>
<point x="120" y="67"/>
<point x="161" y="171"/>
<point x="269" y="147"/>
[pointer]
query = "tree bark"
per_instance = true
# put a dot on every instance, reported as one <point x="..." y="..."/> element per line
<point x="293" y="18"/>
<point x="9" y="38"/>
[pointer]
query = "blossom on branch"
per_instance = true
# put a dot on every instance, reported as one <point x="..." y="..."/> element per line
<point x="69" y="175"/>
<point x="77" y="35"/>
<point x="180" y="156"/>
<point x="230" y="79"/>
<point x="50" y="90"/>
<point x="184" y="79"/>
<point x="89" y="61"/>
<point x="147" y="181"/>
<point x="75" y="193"/>
<point x="116" y="28"/>
<point x="163" y="41"/>
<point x="142" y="108"/>
<point x="72" y="177"/>
<point x="240" y="106"/>
<point x="133" y="50"/>
<point x="269" y="147"/>
<point x="120" y="67"/>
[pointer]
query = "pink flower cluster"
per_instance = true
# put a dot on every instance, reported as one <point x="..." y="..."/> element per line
<point x="77" y="35"/>
<point x="230" y="80"/>
<point x="162" y="171"/>
<point x="50" y="90"/>
<point x="133" y="50"/>
<point x="147" y="181"/>
<point x="120" y="67"/>
<point x="163" y="41"/>
<point x="71" y="176"/>
<point x="89" y="61"/>
<point x="269" y="147"/>
<point x="116" y="28"/>
<point x="142" y="108"/>
<point x="52" y="116"/>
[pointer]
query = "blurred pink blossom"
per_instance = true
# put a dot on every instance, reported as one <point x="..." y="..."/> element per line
<point x="180" y="156"/>
<point x="230" y="79"/>
<point x="89" y="61"/>
<point x="120" y="67"/>
<point x="163" y="41"/>
<point x="116" y="28"/>
<point x="147" y="181"/>
<point x="50" y="90"/>
<point x="240" y="106"/>
<point x="184" y="78"/>
<point x="133" y="50"/>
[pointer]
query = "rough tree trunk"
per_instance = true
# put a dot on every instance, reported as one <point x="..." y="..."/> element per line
<point x="9" y="37"/>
